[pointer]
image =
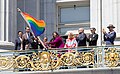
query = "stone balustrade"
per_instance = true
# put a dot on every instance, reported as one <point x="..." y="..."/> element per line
<point x="59" y="59"/>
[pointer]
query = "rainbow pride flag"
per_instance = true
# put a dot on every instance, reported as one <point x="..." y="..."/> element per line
<point x="37" y="26"/>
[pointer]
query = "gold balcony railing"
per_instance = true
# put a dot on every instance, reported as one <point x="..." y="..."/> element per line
<point x="53" y="59"/>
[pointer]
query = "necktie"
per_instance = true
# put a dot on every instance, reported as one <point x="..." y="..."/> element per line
<point x="28" y="35"/>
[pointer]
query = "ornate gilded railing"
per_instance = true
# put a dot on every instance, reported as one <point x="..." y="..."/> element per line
<point x="52" y="59"/>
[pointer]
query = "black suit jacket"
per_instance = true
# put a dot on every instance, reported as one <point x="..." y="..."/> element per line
<point x="27" y="41"/>
<point x="92" y="39"/>
<point x="81" y="39"/>
<point x="18" y="43"/>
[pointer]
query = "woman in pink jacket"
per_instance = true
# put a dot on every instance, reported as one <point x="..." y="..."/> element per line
<point x="71" y="41"/>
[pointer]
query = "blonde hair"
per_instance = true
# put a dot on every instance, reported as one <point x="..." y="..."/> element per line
<point x="70" y="35"/>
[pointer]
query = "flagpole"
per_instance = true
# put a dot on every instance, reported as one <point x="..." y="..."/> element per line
<point x="30" y="27"/>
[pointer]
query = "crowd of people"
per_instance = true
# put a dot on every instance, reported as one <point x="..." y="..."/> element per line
<point x="27" y="40"/>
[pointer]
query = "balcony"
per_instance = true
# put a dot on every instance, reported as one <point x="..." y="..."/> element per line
<point x="88" y="60"/>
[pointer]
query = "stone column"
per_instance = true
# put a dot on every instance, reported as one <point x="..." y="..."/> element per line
<point x="12" y="20"/>
<point x="108" y="13"/>
<point x="2" y="7"/>
<point x="118" y="15"/>
<point x="7" y="22"/>
<point x="96" y="18"/>
<point x="115" y="15"/>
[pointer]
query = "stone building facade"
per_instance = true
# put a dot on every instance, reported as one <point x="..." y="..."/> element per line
<point x="59" y="15"/>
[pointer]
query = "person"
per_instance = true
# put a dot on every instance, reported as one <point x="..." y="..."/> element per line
<point x="93" y="37"/>
<point x="81" y="38"/>
<point x="18" y="41"/>
<point x="45" y="41"/>
<point x="51" y="45"/>
<point x="27" y="38"/>
<point x="71" y="41"/>
<point x="110" y="36"/>
<point x="35" y="43"/>
<point x="57" y="42"/>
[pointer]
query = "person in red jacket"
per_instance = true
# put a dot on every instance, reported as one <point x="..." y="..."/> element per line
<point x="57" y="42"/>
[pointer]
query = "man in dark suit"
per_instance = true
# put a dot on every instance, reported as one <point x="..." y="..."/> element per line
<point x="18" y="41"/>
<point x="81" y="38"/>
<point x="93" y="37"/>
<point x="35" y="43"/>
<point x="27" y="38"/>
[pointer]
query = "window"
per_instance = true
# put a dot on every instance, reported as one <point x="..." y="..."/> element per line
<point x="71" y="18"/>
<point x="75" y="15"/>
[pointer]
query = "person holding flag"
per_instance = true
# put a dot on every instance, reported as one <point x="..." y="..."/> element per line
<point x="37" y="26"/>
<point x="27" y="38"/>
